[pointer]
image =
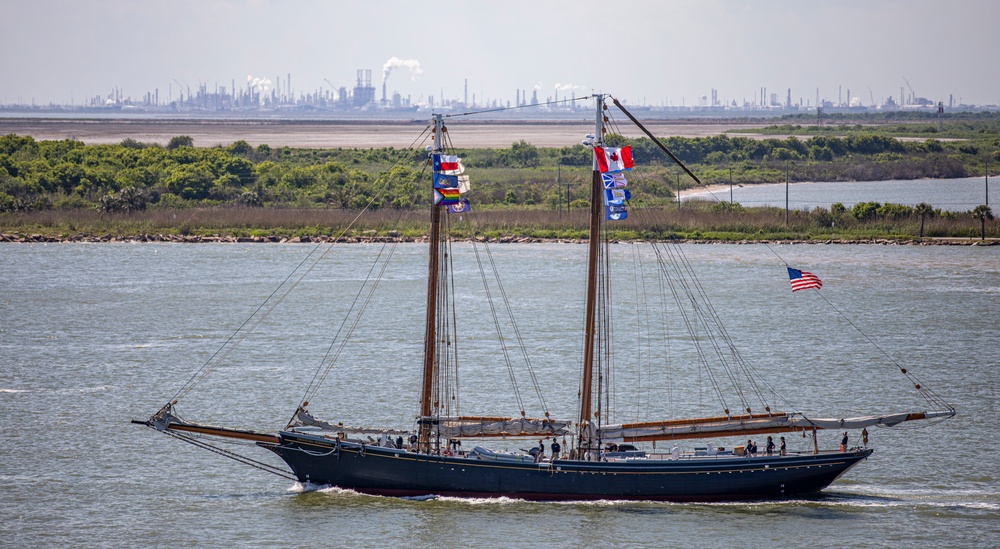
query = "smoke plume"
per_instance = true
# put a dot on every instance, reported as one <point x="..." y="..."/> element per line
<point x="396" y="63"/>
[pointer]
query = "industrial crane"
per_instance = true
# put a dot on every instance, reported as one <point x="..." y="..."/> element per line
<point x="913" y="94"/>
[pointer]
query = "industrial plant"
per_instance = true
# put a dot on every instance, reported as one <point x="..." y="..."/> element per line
<point x="260" y="96"/>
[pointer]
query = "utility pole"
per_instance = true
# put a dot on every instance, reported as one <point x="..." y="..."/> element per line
<point x="786" y="194"/>
<point x="730" y="185"/>
<point x="559" y="187"/>
<point x="678" y="191"/>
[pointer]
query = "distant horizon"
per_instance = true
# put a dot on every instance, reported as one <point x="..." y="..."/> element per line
<point x="647" y="53"/>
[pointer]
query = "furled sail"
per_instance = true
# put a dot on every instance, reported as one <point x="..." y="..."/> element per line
<point x="482" y="426"/>
<point x="303" y="418"/>
<point x="749" y="424"/>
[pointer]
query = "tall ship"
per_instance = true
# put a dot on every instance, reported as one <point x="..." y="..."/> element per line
<point x="600" y="459"/>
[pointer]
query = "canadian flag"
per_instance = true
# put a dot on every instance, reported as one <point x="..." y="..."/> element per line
<point x="613" y="159"/>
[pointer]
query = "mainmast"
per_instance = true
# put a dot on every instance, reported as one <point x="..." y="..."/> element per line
<point x="586" y="387"/>
<point x="430" y="335"/>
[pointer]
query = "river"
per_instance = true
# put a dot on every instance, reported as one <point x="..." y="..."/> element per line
<point x="956" y="195"/>
<point x="94" y="335"/>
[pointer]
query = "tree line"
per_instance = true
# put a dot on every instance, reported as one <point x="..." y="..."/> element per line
<point x="133" y="176"/>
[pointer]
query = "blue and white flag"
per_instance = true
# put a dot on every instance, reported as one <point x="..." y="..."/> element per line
<point x="442" y="181"/>
<point x="616" y="197"/>
<point x="614" y="180"/>
<point x="616" y="213"/>
<point x="461" y="207"/>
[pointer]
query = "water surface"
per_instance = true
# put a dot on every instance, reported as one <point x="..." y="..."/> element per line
<point x="93" y="335"/>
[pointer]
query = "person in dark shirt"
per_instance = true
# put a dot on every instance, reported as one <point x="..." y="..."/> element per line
<point x="556" y="448"/>
<point x="843" y="443"/>
<point x="781" y="450"/>
<point x="769" y="448"/>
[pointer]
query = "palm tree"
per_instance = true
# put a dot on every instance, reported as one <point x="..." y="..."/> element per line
<point x="923" y="210"/>
<point x="983" y="212"/>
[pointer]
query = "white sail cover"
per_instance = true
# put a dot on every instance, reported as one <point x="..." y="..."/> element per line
<point x="456" y="427"/>
<point x="782" y="422"/>
<point x="303" y="418"/>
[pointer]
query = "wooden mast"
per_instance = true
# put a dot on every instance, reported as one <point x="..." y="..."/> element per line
<point x="430" y="335"/>
<point x="586" y="386"/>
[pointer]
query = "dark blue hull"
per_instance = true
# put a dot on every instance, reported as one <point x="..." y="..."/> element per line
<point x="388" y="472"/>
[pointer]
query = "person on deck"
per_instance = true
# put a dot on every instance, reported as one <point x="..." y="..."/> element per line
<point x="843" y="443"/>
<point x="556" y="448"/>
<point x="769" y="448"/>
<point x="541" y="451"/>
<point x="781" y="449"/>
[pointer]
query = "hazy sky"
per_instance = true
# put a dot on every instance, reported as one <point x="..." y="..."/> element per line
<point x="643" y="51"/>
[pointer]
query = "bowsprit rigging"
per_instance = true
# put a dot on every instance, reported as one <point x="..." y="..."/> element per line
<point x="600" y="461"/>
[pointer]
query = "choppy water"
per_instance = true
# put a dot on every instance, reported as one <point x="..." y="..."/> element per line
<point x="94" y="335"/>
<point x="956" y="195"/>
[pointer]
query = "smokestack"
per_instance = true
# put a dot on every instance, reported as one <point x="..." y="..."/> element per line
<point x="466" y="99"/>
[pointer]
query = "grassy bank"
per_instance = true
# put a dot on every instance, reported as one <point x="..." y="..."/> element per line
<point x="700" y="221"/>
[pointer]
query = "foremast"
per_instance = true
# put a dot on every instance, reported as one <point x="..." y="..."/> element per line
<point x="430" y="334"/>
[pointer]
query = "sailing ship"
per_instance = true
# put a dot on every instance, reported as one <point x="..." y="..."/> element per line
<point x="602" y="461"/>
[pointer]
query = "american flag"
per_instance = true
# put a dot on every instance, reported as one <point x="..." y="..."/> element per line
<point x="802" y="280"/>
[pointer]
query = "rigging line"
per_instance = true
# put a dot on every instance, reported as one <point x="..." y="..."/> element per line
<point x="639" y="282"/>
<point x="496" y="324"/>
<point x="662" y="299"/>
<point x="443" y="329"/>
<point x="740" y="362"/>
<point x="216" y="359"/>
<point x="513" y="322"/>
<point x="446" y="327"/>
<point x="655" y="140"/>
<point x="927" y="393"/>
<point x="605" y="326"/>
<point x="615" y="126"/>
<point x="320" y="376"/>
<point x="600" y="339"/>
<point x="454" y="322"/>
<point x="266" y="467"/>
<point x="755" y="379"/>
<point x="720" y="326"/>
<point x="313" y="382"/>
<point x="326" y="364"/>
<point x="709" y="316"/>
<point x="700" y="304"/>
<point x="336" y="336"/>
<point x="501" y="109"/>
<point x="665" y="264"/>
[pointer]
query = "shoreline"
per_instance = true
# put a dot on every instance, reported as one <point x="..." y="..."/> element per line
<point x="18" y="238"/>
